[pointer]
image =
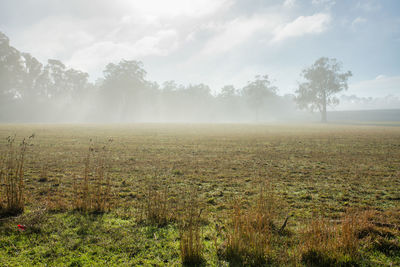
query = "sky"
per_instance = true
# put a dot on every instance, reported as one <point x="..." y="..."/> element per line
<point x="216" y="42"/>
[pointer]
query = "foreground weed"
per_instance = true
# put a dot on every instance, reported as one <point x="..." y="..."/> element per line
<point x="320" y="243"/>
<point x="328" y="243"/>
<point x="12" y="197"/>
<point x="157" y="208"/>
<point x="93" y="193"/>
<point x="248" y="240"/>
<point x="191" y="242"/>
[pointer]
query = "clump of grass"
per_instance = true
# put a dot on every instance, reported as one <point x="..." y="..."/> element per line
<point x="348" y="240"/>
<point x="380" y="231"/>
<point x="341" y="243"/>
<point x="191" y="242"/>
<point x="320" y="243"/>
<point x="327" y="243"/>
<point x="12" y="197"/>
<point x="157" y="208"/>
<point x="250" y="233"/>
<point x="93" y="192"/>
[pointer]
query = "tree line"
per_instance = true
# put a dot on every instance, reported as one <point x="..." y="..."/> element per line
<point x="31" y="91"/>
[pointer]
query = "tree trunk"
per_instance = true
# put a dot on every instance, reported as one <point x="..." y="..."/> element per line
<point x="323" y="113"/>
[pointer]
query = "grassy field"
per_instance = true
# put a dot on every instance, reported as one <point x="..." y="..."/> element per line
<point x="218" y="195"/>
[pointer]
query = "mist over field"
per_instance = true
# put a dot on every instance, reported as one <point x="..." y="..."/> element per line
<point x="208" y="61"/>
<point x="200" y="133"/>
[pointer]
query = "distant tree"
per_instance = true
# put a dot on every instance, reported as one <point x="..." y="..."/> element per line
<point x="258" y="92"/>
<point x="227" y="92"/>
<point x="171" y="86"/>
<point x="76" y="82"/>
<point x="197" y="102"/>
<point x="170" y="104"/>
<point x="56" y="71"/>
<point x="198" y="91"/>
<point x="32" y="69"/>
<point x="229" y="105"/>
<point x="124" y="90"/>
<point x="10" y="70"/>
<point x="56" y="82"/>
<point x="11" y="80"/>
<point x="323" y="81"/>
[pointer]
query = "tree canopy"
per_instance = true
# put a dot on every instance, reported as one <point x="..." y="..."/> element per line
<point x="323" y="80"/>
<point x="257" y="93"/>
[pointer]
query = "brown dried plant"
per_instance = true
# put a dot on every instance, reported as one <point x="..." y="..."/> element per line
<point x="12" y="197"/>
<point x="93" y="191"/>
<point x="250" y="232"/>
<point x="191" y="241"/>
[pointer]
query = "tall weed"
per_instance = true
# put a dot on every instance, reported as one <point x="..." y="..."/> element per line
<point x="12" y="195"/>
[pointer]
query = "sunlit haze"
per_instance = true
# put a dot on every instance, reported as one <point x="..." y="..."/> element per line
<point x="219" y="42"/>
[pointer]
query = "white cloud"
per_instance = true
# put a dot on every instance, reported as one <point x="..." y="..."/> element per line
<point x="100" y="53"/>
<point x="239" y="31"/>
<point x="368" y="5"/>
<point x="289" y="3"/>
<point x="358" y="21"/>
<point x="322" y="2"/>
<point x="129" y="29"/>
<point x="303" y="25"/>
<point x="328" y="4"/>
<point x="380" y="86"/>
<point x="174" y="8"/>
<point x="54" y="37"/>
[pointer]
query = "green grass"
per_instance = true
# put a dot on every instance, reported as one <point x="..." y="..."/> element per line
<point x="316" y="171"/>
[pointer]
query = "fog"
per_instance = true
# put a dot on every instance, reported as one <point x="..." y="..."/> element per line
<point x="51" y="92"/>
<point x="219" y="62"/>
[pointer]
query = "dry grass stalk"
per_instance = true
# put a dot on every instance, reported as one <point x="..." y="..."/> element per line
<point x="157" y="208"/>
<point x="191" y="243"/>
<point x="12" y="199"/>
<point x="93" y="193"/>
<point x="248" y="241"/>
<point x="329" y="243"/>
